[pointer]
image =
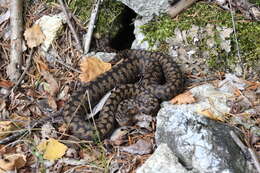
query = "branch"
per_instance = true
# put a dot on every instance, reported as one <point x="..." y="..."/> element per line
<point x="173" y="11"/>
<point x="246" y="151"/>
<point x="72" y="29"/>
<point x="28" y="64"/>
<point x="91" y="26"/>
<point x="16" y="22"/>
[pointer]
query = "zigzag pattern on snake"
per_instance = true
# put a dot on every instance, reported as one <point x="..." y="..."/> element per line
<point x="142" y="80"/>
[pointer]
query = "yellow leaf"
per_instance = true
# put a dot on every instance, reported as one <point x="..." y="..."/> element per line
<point x="52" y="149"/>
<point x="5" y="128"/>
<point x="34" y="36"/>
<point x="184" y="98"/>
<point x="12" y="162"/>
<point x="92" y="67"/>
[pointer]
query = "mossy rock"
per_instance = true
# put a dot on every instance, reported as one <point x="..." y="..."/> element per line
<point x="201" y="14"/>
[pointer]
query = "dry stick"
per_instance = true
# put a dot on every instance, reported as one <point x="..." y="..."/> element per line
<point x="28" y="64"/>
<point x="235" y="34"/>
<point x="255" y="159"/>
<point x="246" y="150"/>
<point x="91" y="25"/>
<point x="179" y="7"/>
<point x="72" y="29"/>
<point x="61" y="62"/>
<point x="16" y="22"/>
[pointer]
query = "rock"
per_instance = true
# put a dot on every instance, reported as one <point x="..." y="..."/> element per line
<point x="139" y="42"/>
<point x="142" y="8"/>
<point x="163" y="160"/>
<point x="201" y="144"/>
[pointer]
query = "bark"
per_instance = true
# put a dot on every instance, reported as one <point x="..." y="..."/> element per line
<point x="16" y="23"/>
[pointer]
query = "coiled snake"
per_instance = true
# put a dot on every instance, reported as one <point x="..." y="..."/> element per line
<point x="142" y="80"/>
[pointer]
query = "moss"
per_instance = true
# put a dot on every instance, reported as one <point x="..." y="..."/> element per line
<point x="109" y="14"/>
<point x="256" y="2"/>
<point x="201" y="14"/>
<point x="81" y="8"/>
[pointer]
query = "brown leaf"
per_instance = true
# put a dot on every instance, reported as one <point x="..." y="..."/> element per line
<point x="184" y="98"/>
<point x="92" y="67"/>
<point x="6" y="84"/>
<point x="53" y="84"/>
<point x="12" y="162"/>
<point x="34" y="36"/>
<point x="5" y="128"/>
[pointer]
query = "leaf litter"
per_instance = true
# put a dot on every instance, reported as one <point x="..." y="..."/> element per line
<point x="46" y="85"/>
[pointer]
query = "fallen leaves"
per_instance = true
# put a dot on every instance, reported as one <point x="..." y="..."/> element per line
<point x="5" y="128"/>
<point x="34" y="36"/>
<point x="53" y="87"/>
<point x="92" y="67"/>
<point x="12" y="162"/>
<point x="184" y="98"/>
<point x="52" y="149"/>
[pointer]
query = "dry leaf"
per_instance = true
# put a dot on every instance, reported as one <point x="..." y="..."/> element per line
<point x="34" y="36"/>
<point x="12" y="162"/>
<point x="52" y="149"/>
<point x="141" y="147"/>
<point x="53" y="86"/>
<point x="92" y="67"/>
<point x="6" y="84"/>
<point x="184" y="98"/>
<point x="5" y="128"/>
<point x="210" y="115"/>
<point x="52" y="103"/>
<point x="20" y="120"/>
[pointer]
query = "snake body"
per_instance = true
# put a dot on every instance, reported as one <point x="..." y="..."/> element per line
<point x="142" y="80"/>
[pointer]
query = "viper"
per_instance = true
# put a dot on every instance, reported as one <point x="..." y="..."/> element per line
<point x="142" y="80"/>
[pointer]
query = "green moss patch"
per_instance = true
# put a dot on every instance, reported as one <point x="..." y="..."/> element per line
<point x="201" y="14"/>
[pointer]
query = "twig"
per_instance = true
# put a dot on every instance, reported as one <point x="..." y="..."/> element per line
<point x="32" y="125"/>
<point x="235" y="35"/>
<point x="255" y="159"/>
<point x="91" y="26"/>
<point x="239" y="142"/>
<point x="179" y="7"/>
<point x="28" y="64"/>
<point x="16" y="22"/>
<point x="247" y="151"/>
<point x="61" y="62"/>
<point x="72" y="29"/>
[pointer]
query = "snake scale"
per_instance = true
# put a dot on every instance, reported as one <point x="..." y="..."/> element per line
<point x="142" y="80"/>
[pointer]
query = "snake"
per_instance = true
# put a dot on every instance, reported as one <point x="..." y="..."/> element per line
<point x="142" y="80"/>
